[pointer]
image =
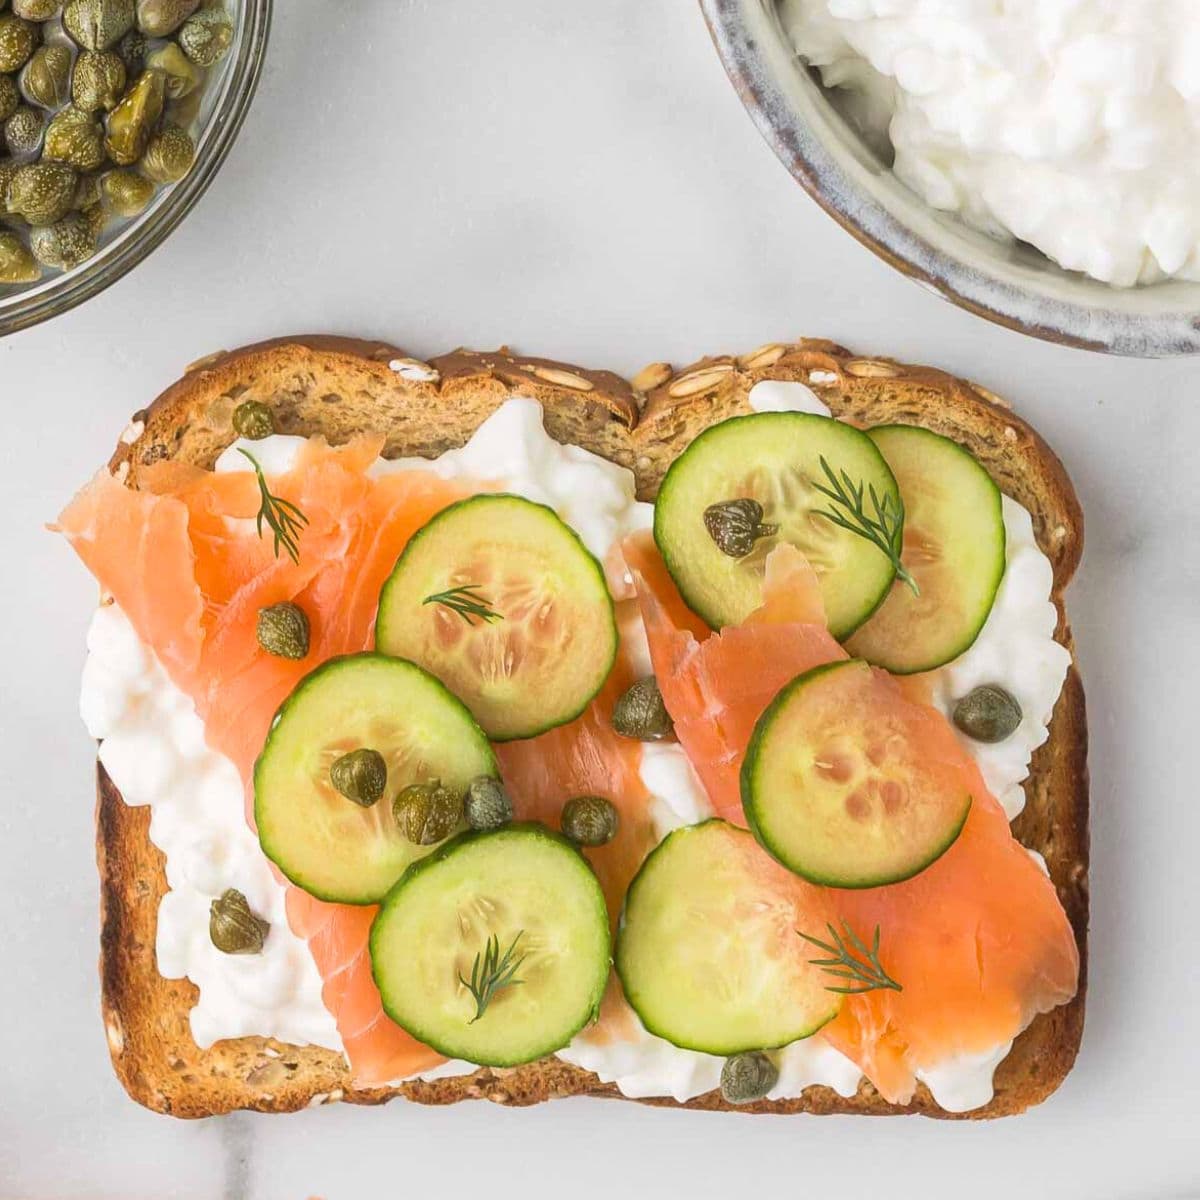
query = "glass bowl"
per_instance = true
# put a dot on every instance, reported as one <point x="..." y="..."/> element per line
<point x="1009" y="283"/>
<point x="227" y="97"/>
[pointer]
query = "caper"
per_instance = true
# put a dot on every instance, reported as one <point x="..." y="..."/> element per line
<point x="10" y="97"/>
<point x="206" y="36"/>
<point x="17" y="265"/>
<point x="98" y="80"/>
<point x="132" y="49"/>
<point x="76" y="137"/>
<point x="360" y="776"/>
<point x="640" y="712"/>
<point x="18" y="39"/>
<point x="590" y="820"/>
<point x="427" y="813"/>
<point x="486" y="804"/>
<point x="8" y="169"/>
<point x="252" y="419"/>
<point x="232" y="926"/>
<point x="735" y="525"/>
<point x="66" y="243"/>
<point x="42" y="192"/>
<point x="160" y="18"/>
<point x="125" y="193"/>
<point x="37" y="10"/>
<point x="46" y="77"/>
<point x="183" y="76"/>
<point x="23" y="130"/>
<point x="747" y="1077"/>
<point x="132" y="121"/>
<point x="283" y="630"/>
<point x="87" y="193"/>
<point x="98" y="24"/>
<point x="183" y="112"/>
<point x="987" y="713"/>
<point x="169" y="155"/>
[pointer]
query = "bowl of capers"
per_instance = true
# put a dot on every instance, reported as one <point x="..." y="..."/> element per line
<point x="114" y="117"/>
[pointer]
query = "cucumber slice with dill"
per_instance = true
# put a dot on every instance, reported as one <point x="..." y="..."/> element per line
<point x="502" y="602"/>
<point x="494" y="949"/>
<point x="954" y="546"/>
<point x="775" y="460"/>
<point x="333" y="846"/>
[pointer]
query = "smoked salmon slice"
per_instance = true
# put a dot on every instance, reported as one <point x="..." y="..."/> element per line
<point x="978" y="941"/>
<point x="182" y="558"/>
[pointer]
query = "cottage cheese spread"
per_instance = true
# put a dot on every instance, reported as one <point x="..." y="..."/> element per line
<point x="1069" y="124"/>
<point x="153" y="747"/>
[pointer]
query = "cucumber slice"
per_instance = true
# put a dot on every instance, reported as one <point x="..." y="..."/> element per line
<point x="330" y="846"/>
<point x="708" y="952"/>
<point x="521" y="880"/>
<point x="551" y="645"/>
<point x="953" y="548"/>
<point x="772" y="458"/>
<point x="847" y="783"/>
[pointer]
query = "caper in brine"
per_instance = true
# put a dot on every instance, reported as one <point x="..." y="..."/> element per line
<point x="252" y="419"/>
<point x="76" y="137"/>
<point x="10" y="97"/>
<point x="747" y="1077"/>
<point x="160" y="18"/>
<point x="486" y="804"/>
<point x="183" y="76"/>
<point x="37" y="10"/>
<point x="590" y="820"/>
<point x="132" y="50"/>
<point x="98" y="24"/>
<point x="18" y="40"/>
<point x="125" y="193"/>
<point x="42" y="192"/>
<point x="169" y="155"/>
<point x="282" y="630"/>
<point x="206" y="36"/>
<point x="735" y="525"/>
<point x="87" y="193"/>
<point x="232" y="926"/>
<point x="640" y="712"/>
<point x="46" y="77"/>
<point x="360" y="776"/>
<point x="131" y="123"/>
<point x="184" y="112"/>
<point x="8" y="169"/>
<point x="427" y="813"/>
<point x="23" y="131"/>
<point x="988" y="713"/>
<point x="98" y="80"/>
<point x="17" y="265"/>
<point x="66" y="243"/>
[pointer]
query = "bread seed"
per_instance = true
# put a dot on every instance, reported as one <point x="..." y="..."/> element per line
<point x="702" y="380"/>
<point x="652" y="376"/>
<point x="871" y="368"/>
<point x="561" y="378"/>
<point x="764" y="356"/>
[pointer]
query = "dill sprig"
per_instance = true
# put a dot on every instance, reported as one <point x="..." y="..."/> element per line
<point x="883" y="527"/>
<point x="284" y="518"/>
<point x="491" y="972"/>
<point x="854" y="962"/>
<point x="467" y="602"/>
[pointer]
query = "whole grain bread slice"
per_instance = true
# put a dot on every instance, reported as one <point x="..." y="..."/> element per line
<point x="340" y="386"/>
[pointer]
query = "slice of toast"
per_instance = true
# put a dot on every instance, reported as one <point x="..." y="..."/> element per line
<point x="338" y="387"/>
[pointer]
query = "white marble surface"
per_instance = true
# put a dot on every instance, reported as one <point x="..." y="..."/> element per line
<point x="577" y="179"/>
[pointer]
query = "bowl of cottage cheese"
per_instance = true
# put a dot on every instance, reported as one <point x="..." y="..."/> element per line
<point x="1035" y="161"/>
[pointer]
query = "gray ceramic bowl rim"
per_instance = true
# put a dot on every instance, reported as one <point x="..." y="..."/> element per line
<point x="1013" y="286"/>
<point x="60" y="293"/>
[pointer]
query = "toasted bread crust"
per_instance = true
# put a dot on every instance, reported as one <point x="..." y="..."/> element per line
<point x="341" y="386"/>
